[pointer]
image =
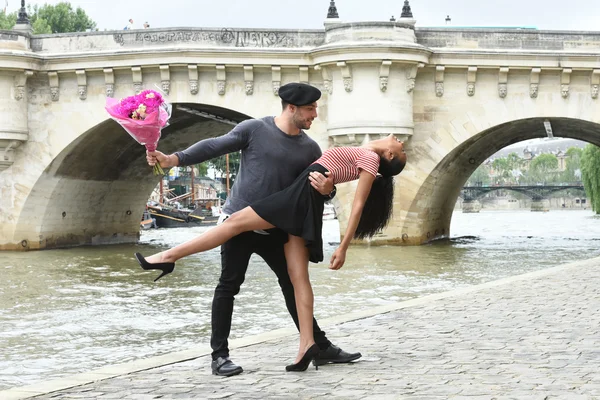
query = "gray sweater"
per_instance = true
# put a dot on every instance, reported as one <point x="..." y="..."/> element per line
<point x="270" y="159"/>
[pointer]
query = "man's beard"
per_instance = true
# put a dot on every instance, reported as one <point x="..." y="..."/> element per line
<point x="301" y="124"/>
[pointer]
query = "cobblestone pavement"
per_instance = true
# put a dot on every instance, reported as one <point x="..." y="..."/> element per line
<point x="531" y="337"/>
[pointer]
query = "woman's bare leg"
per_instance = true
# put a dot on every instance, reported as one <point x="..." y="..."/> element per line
<point x="242" y="221"/>
<point x="296" y="255"/>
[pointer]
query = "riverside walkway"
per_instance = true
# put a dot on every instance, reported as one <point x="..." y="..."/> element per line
<point x="533" y="336"/>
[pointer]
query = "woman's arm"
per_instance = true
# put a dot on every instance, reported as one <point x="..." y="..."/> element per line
<point x="365" y="181"/>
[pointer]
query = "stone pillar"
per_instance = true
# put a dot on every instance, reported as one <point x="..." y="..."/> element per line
<point x="369" y="95"/>
<point x="540" y="205"/>
<point x="471" y="206"/>
<point x="377" y="86"/>
<point x="388" y="109"/>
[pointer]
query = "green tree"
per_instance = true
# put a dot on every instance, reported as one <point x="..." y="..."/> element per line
<point x="220" y="165"/>
<point x="49" y="18"/>
<point x="41" y="27"/>
<point x="544" y="163"/>
<point x="573" y="164"/>
<point x="590" y="174"/>
<point x="7" y="21"/>
<point x="502" y="170"/>
<point x="481" y="176"/>
<point x="514" y="161"/>
<point x="202" y="168"/>
<point x="542" y="168"/>
<point x="61" y="18"/>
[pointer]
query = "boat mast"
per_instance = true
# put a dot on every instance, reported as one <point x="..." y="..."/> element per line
<point x="193" y="191"/>
<point x="227" y="166"/>
<point x="160" y="191"/>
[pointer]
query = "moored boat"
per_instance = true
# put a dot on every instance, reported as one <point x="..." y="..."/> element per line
<point x="167" y="217"/>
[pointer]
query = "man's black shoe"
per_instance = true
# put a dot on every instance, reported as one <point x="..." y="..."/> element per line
<point x="223" y="366"/>
<point x="334" y="354"/>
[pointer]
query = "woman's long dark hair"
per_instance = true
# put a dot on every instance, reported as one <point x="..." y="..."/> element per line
<point x="380" y="203"/>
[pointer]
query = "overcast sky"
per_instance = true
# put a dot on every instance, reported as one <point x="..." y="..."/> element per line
<point x="310" y="14"/>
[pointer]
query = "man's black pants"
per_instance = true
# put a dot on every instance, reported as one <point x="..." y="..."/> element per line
<point x="235" y="256"/>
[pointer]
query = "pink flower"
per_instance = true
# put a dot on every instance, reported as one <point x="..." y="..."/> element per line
<point x="143" y="116"/>
<point x="151" y="99"/>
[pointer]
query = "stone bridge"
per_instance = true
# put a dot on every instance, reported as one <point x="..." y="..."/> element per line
<point x="538" y="194"/>
<point x="70" y="176"/>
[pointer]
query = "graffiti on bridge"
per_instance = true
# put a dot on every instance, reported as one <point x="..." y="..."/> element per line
<point x="224" y="37"/>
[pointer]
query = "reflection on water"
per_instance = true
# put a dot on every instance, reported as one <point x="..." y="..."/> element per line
<point x="73" y="310"/>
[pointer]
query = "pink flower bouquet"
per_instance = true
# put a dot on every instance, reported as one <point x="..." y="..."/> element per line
<point x="142" y="116"/>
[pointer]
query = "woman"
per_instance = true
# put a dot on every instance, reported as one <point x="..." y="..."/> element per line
<point x="298" y="211"/>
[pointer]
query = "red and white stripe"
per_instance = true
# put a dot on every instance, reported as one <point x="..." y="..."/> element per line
<point x="345" y="163"/>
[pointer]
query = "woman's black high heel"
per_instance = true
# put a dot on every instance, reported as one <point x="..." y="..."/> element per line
<point x="302" y="365"/>
<point x="166" y="268"/>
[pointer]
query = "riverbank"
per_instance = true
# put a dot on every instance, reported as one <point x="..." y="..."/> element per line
<point x="528" y="336"/>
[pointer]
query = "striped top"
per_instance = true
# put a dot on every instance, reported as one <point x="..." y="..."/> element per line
<point x="345" y="163"/>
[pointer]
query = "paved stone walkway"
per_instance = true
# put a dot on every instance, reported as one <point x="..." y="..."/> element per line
<point x="535" y="336"/>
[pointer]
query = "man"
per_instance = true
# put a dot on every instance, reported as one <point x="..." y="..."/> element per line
<point x="275" y="150"/>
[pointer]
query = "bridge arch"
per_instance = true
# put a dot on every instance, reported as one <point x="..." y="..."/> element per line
<point x="429" y="212"/>
<point x="95" y="189"/>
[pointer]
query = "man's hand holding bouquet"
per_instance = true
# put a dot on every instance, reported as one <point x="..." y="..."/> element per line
<point x="142" y="116"/>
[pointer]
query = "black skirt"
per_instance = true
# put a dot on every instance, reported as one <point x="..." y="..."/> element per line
<point x="297" y="210"/>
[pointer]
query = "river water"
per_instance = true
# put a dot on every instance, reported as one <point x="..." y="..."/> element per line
<point x="74" y="310"/>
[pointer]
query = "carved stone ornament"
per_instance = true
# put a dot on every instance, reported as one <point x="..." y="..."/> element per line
<point x="276" y="86"/>
<point x="348" y="84"/>
<point x="533" y="90"/>
<point x="439" y="89"/>
<point x="20" y="82"/>
<point x="564" y="91"/>
<point x="383" y="83"/>
<point x="137" y="87"/>
<point x="249" y="87"/>
<point x="82" y="92"/>
<point x="110" y="90"/>
<point x="327" y="85"/>
<point x="410" y="85"/>
<point x="20" y="92"/>
<point x="221" y="87"/>
<point x="595" y="89"/>
<point x="54" y="93"/>
<point x="502" y="90"/>
<point x="193" y="86"/>
<point x="471" y="89"/>
<point x="165" y="86"/>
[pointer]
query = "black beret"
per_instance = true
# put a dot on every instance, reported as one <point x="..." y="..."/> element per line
<point x="299" y="94"/>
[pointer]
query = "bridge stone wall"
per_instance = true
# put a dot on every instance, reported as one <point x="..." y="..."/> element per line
<point x="504" y="40"/>
<point x="140" y="40"/>
<point x="70" y="176"/>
